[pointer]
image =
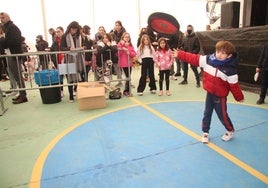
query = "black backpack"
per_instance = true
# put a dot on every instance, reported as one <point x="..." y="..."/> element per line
<point x="115" y="94"/>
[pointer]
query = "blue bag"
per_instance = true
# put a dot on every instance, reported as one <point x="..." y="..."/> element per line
<point x="47" y="77"/>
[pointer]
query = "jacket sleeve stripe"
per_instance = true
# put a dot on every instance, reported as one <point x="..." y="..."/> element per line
<point x="202" y="60"/>
<point x="232" y="79"/>
<point x="212" y="71"/>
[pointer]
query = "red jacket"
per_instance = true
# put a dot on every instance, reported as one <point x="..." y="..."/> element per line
<point x="219" y="77"/>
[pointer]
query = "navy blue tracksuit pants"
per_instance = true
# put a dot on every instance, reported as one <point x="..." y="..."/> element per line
<point x="219" y="104"/>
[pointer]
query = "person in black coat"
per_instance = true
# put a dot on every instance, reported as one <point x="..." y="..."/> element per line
<point x="3" y="62"/>
<point x="42" y="45"/>
<point x="87" y="43"/>
<point x="190" y="44"/>
<point x="12" y="41"/>
<point x="262" y="67"/>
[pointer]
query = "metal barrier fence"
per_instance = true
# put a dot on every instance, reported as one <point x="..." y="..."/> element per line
<point x="40" y="70"/>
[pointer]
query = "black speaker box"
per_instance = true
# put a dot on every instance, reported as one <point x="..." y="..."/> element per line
<point x="230" y="15"/>
<point x="259" y="13"/>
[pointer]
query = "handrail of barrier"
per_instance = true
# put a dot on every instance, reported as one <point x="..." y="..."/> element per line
<point x="48" y="56"/>
<point x="41" y="53"/>
<point x="48" y="53"/>
<point x="45" y="53"/>
<point x="30" y="85"/>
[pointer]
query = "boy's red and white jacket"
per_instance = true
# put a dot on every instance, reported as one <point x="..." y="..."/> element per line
<point x="219" y="77"/>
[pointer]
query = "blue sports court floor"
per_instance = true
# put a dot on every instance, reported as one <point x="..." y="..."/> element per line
<point x="157" y="145"/>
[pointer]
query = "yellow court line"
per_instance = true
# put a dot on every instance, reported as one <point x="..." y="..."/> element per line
<point x="39" y="164"/>
<point x="216" y="148"/>
<point x="38" y="167"/>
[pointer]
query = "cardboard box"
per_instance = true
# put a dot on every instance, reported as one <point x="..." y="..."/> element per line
<point x="91" y="95"/>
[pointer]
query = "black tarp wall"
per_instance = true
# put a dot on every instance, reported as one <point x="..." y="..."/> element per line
<point x="248" y="42"/>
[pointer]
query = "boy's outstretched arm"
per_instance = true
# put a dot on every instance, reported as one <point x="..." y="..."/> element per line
<point x="193" y="59"/>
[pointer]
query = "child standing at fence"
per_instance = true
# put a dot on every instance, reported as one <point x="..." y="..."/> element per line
<point x="30" y="67"/>
<point x="163" y="60"/>
<point x="146" y="55"/>
<point x="106" y="49"/>
<point x="126" y="53"/>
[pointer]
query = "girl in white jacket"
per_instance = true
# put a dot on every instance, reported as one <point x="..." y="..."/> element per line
<point x="146" y="55"/>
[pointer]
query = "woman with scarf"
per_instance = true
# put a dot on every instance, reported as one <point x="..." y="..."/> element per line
<point x="72" y="41"/>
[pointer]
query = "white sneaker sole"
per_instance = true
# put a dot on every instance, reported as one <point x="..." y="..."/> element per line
<point x="204" y="139"/>
<point x="227" y="136"/>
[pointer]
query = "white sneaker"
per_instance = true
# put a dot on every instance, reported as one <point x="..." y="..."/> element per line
<point x="140" y="93"/>
<point x="173" y="77"/>
<point x="228" y="135"/>
<point x="204" y="138"/>
<point x="153" y="91"/>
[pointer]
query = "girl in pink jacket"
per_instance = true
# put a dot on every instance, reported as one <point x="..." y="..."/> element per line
<point x="163" y="60"/>
<point x="126" y="53"/>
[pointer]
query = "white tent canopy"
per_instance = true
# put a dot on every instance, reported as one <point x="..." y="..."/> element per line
<point x="35" y="17"/>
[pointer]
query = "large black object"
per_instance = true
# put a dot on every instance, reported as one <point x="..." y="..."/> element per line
<point x="52" y="94"/>
<point x="259" y="13"/>
<point x="247" y="41"/>
<point x="163" y="23"/>
<point x="230" y="15"/>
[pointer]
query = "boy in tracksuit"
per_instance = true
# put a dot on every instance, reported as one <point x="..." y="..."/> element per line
<point x="220" y="77"/>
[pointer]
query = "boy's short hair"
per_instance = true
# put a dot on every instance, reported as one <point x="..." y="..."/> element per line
<point x="225" y="46"/>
